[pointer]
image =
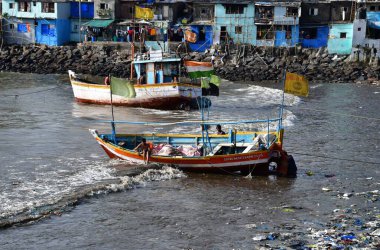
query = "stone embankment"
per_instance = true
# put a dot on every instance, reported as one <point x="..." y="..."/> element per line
<point x="244" y="63"/>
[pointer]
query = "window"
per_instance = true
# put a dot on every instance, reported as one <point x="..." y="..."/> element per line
<point x="265" y="32"/>
<point x="372" y="8"/>
<point x="11" y="5"/>
<point x="48" y="7"/>
<point x="11" y="26"/>
<point x="75" y="27"/>
<point x="130" y="10"/>
<point x="313" y="11"/>
<point x="264" y="13"/>
<point x="309" y="33"/>
<point x="234" y="8"/>
<point x="238" y="29"/>
<point x="24" y="6"/>
<point x="359" y="29"/>
<point x="204" y="12"/>
<point x="103" y="6"/>
<point x="34" y="4"/>
<point x="343" y="35"/>
<point x="22" y="28"/>
<point x="48" y="29"/>
<point x="291" y="11"/>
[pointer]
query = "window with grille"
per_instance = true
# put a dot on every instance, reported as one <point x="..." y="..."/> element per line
<point x="103" y="6"/>
<point x="48" y="7"/>
<point x="292" y="11"/>
<point x="234" y="8"/>
<point x="313" y="11"/>
<point x="24" y="6"/>
<point x="265" y="32"/>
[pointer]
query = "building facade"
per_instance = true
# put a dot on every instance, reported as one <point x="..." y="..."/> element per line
<point x="367" y="25"/>
<point x="341" y="26"/>
<point x="233" y="23"/>
<point x="36" y="22"/>
<point x="277" y="23"/>
<point x="80" y="13"/>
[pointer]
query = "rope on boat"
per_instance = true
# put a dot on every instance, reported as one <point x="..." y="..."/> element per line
<point x="336" y="158"/>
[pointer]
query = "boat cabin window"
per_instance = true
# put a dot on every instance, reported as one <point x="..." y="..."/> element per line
<point x="226" y="150"/>
<point x="141" y="73"/>
<point x="171" y="72"/>
<point x="151" y="72"/>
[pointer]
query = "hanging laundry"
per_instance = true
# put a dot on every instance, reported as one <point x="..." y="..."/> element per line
<point x="190" y="36"/>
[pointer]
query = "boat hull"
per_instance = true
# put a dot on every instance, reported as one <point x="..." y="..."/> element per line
<point x="256" y="162"/>
<point x="157" y="96"/>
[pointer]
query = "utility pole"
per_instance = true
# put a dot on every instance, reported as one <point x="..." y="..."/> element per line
<point x="80" y="21"/>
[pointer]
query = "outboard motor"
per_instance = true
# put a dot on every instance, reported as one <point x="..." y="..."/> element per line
<point x="292" y="167"/>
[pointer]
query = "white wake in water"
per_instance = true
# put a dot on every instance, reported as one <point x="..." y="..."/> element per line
<point x="54" y="190"/>
<point x="245" y="103"/>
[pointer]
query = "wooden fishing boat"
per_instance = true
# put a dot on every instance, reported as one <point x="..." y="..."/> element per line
<point x="258" y="153"/>
<point x="248" y="152"/>
<point x="158" y="84"/>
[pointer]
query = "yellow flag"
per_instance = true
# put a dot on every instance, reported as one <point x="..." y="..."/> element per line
<point x="143" y="13"/>
<point x="296" y="84"/>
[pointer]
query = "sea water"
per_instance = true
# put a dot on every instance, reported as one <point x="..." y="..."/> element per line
<point x="58" y="188"/>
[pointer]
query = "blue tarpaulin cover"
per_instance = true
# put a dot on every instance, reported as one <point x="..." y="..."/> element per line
<point x="373" y="20"/>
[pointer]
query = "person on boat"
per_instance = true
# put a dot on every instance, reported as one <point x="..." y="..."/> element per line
<point x="213" y="59"/>
<point x="107" y="80"/>
<point x="219" y="130"/>
<point x="174" y="73"/>
<point x="142" y="79"/>
<point x="145" y="148"/>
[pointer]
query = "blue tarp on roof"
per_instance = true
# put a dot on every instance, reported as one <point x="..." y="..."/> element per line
<point x="202" y="45"/>
<point x="373" y="20"/>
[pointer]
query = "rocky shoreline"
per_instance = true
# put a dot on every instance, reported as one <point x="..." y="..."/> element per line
<point x="244" y="62"/>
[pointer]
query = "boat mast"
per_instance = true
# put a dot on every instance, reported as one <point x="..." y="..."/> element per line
<point x="282" y="102"/>
<point x="133" y="41"/>
<point x="113" y="117"/>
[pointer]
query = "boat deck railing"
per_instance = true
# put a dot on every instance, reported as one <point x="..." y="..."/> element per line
<point x="188" y="123"/>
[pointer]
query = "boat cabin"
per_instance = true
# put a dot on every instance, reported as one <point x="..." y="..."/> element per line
<point x="229" y="144"/>
<point x="156" y="70"/>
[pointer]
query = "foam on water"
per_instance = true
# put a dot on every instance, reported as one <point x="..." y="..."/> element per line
<point x="57" y="184"/>
<point x="29" y="199"/>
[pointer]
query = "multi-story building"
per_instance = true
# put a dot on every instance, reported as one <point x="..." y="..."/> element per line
<point x="45" y="22"/>
<point x="314" y="23"/>
<point x="80" y="13"/>
<point x="234" y="22"/>
<point x="328" y="23"/>
<point x="367" y="24"/>
<point x="202" y="25"/>
<point x="277" y="23"/>
<point x="341" y="26"/>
